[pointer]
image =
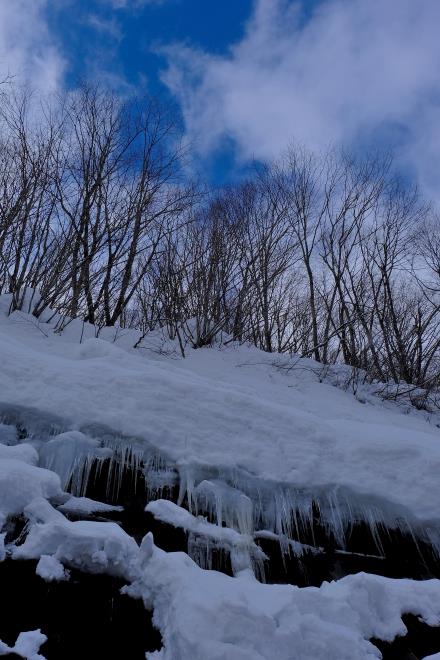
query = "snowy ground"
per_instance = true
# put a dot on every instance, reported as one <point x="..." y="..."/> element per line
<point x="255" y="440"/>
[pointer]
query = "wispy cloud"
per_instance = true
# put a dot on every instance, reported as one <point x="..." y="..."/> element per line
<point x="28" y="51"/>
<point x="107" y="26"/>
<point x="131" y="4"/>
<point x="352" y="70"/>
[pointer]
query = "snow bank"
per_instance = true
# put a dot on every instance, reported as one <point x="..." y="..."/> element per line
<point x="94" y="547"/>
<point x="205" y="614"/>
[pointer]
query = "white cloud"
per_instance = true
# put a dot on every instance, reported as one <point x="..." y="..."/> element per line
<point x="353" y="68"/>
<point x="109" y="27"/>
<point x="28" y="51"/>
<point x="131" y="4"/>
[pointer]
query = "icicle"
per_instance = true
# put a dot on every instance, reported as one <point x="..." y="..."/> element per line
<point x="294" y="548"/>
<point x="433" y="538"/>
<point x="225" y="505"/>
<point x="160" y="476"/>
<point x="204" y="537"/>
<point x="186" y="486"/>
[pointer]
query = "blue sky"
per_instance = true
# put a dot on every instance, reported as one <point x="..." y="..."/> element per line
<point x="128" y="37"/>
<point x="249" y="77"/>
<point x="121" y="45"/>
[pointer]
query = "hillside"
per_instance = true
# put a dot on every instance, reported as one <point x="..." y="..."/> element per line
<point x="243" y="451"/>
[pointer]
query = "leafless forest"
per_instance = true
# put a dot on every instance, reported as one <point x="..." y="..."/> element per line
<point x="328" y="255"/>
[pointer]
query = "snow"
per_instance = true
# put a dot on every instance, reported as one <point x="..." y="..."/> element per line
<point x="27" y="645"/>
<point x="205" y="614"/>
<point x="21" y="482"/>
<point x="51" y="570"/>
<point x="86" y="506"/>
<point x="22" y="452"/>
<point x="94" y="547"/>
<point x="8" y="434"/>
<point x="254" y="446"/>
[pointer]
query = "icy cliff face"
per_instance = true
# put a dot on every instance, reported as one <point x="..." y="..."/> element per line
<point x="238" y="450"/>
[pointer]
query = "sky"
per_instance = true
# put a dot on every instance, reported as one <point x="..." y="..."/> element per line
<point x="249" y="77"/>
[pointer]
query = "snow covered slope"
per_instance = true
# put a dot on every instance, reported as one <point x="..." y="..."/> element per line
<point x="257" y="441"/>
<point x="228" y="411"/>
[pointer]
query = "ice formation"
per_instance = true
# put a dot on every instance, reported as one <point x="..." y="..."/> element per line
<point x="205" y="536"/>
<point x="68" y="454"/>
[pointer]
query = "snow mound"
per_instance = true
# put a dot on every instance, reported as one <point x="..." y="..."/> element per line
<point x="222" y="618"/>
<point x="51" y="570"/>
<point x="23" y="452"/>
<point x="21" y="482"/>
<point x="94" y="547"/>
